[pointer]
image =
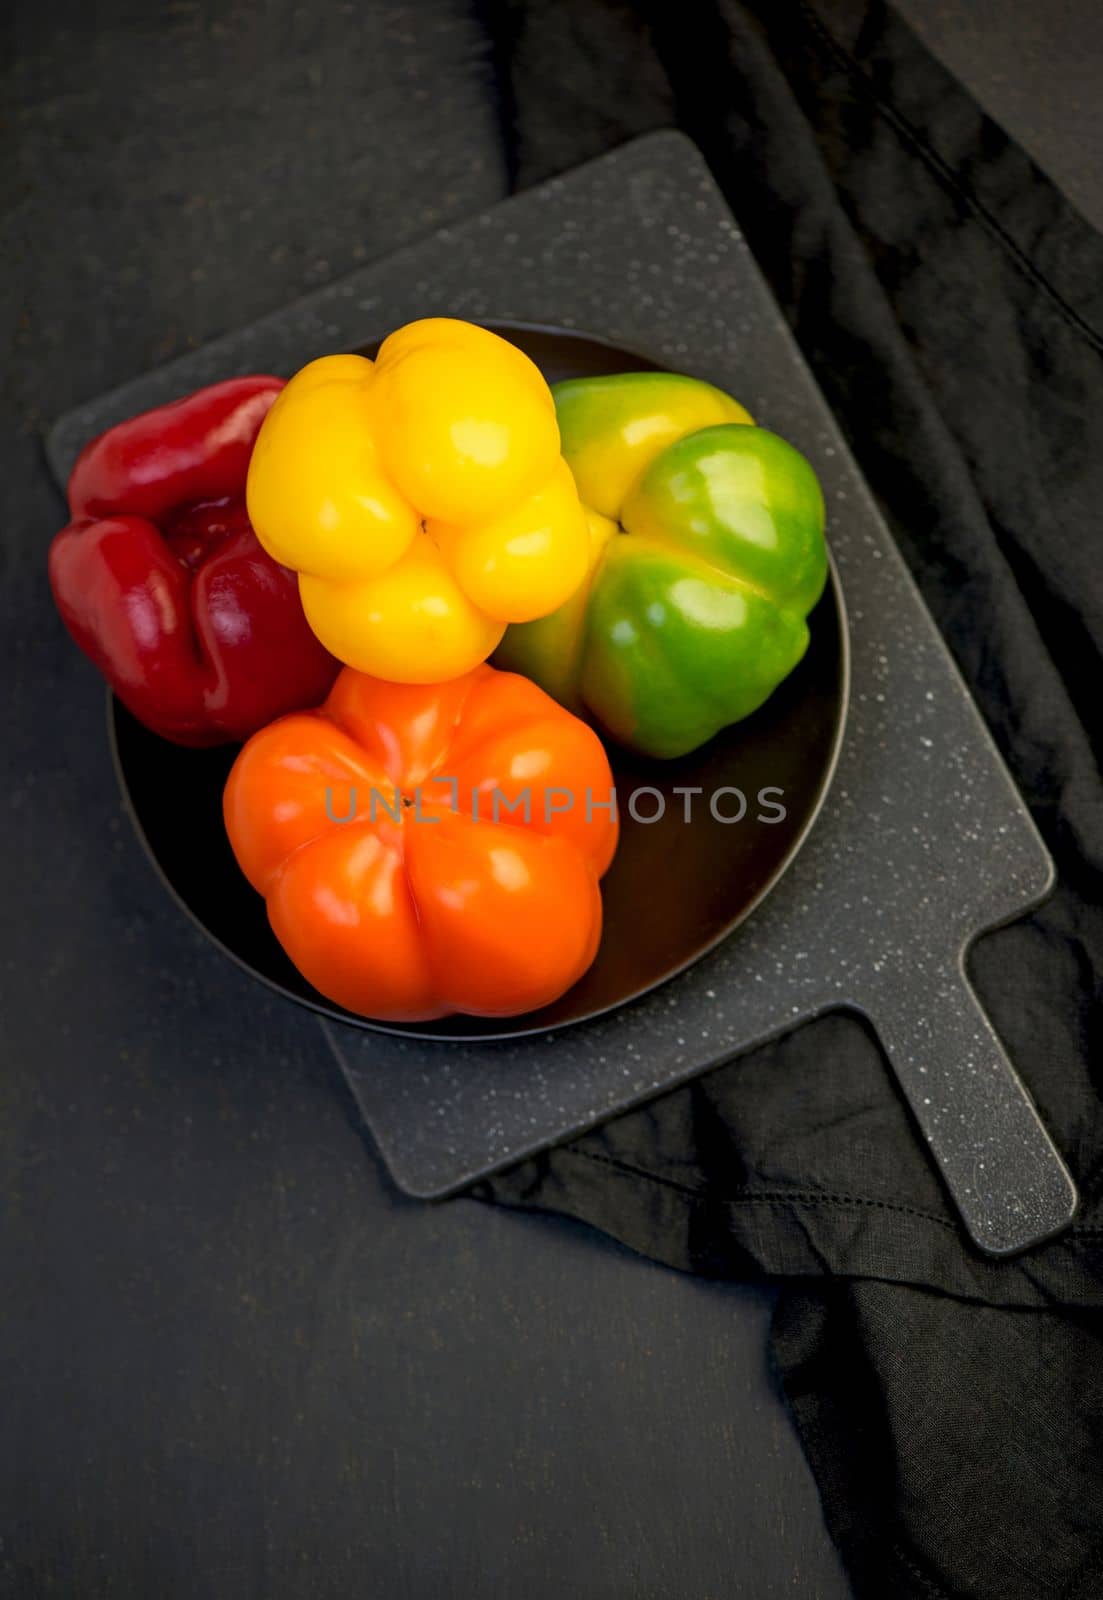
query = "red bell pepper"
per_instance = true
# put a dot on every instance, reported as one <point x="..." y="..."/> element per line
<point x="160" y="579"/>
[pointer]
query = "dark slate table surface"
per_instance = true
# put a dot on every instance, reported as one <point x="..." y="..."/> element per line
<point x="235" y="1361"/>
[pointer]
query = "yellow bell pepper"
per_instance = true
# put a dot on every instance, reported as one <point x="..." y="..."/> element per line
<point x="422" y="499"/>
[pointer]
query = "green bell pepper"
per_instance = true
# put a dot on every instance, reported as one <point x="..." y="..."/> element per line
<point x="706" y="556"/>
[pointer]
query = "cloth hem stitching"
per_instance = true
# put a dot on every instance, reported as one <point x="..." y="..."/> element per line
<point x="950" y="179"/>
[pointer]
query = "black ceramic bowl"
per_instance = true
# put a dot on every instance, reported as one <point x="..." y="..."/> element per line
<point x="675" y="888"/>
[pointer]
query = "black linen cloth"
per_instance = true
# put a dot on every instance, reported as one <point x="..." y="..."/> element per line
<point x="950" y="303"/>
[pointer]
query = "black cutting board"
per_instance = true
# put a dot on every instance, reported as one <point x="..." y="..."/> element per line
<point x="923" y="842"/>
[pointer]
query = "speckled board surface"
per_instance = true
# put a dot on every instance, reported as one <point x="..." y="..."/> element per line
<point x="923" y="842"/>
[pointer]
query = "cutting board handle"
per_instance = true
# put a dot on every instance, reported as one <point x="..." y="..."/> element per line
<point x="1000" y="1165"/>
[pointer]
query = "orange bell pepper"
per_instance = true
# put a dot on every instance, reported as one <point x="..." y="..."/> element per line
<point x="429" y="848"/>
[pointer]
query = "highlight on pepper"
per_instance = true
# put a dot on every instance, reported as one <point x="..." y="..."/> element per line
<point x="421" y="497"/>
<point x="161" y="582"/>
<point x="425" y="902"/>
<point x="706" y="556"/>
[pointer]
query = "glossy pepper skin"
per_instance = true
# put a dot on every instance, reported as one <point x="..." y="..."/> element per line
<point x="369" y="827"/>
<point x="421" y="497"/>
<point x="161" y="582"/>
<point x="706" y="555"/>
